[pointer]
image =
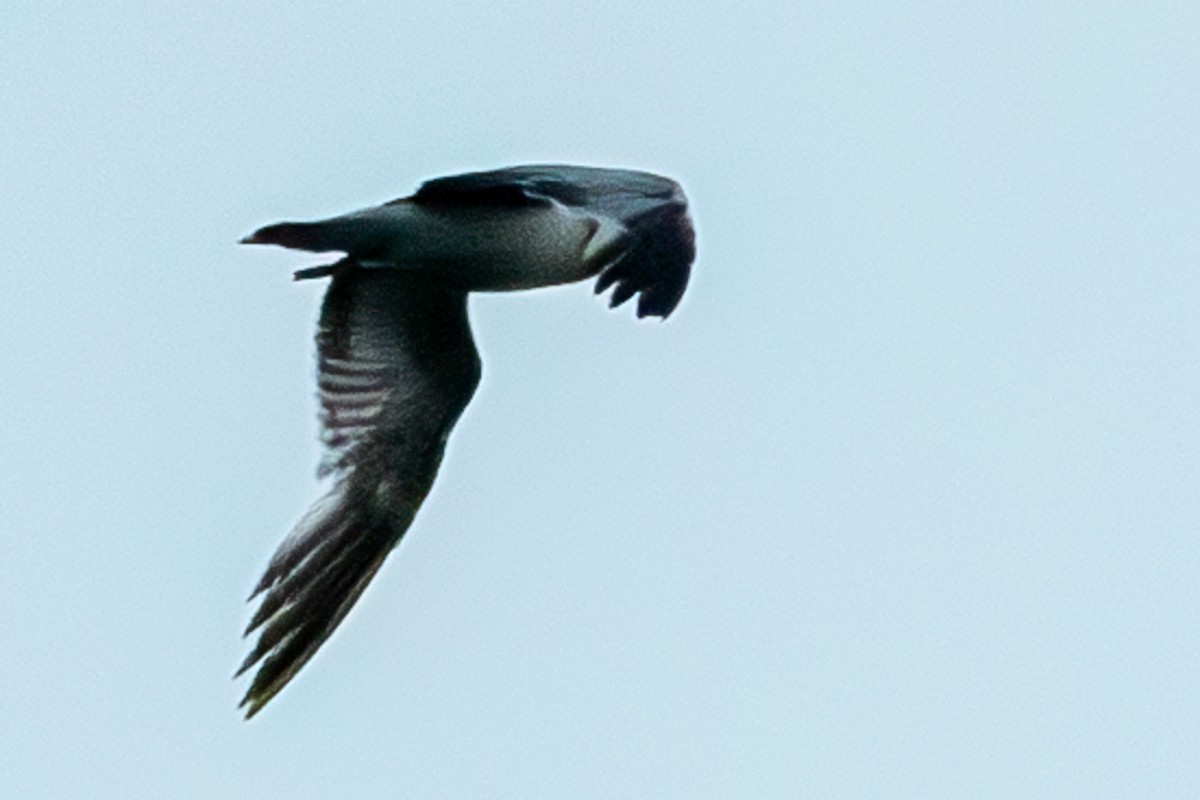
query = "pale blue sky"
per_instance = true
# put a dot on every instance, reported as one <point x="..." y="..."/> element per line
<point x="902" y="502"/>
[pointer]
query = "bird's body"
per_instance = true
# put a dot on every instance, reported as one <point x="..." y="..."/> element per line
<point x="397" y="363"/>
<point x="474" y="249"/>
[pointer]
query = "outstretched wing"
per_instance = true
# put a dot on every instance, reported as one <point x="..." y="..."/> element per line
<point x="396" y="367"/>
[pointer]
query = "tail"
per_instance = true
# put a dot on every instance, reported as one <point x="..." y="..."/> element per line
<point x="313" y="580"/>
<point x="316" y="237"/>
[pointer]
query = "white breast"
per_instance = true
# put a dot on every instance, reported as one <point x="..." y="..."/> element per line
<point x="495" y="249"/>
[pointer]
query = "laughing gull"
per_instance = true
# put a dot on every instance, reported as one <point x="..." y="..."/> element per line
<point x="397" y="364"/>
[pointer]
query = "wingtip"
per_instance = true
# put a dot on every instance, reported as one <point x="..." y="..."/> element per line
<point x="246" y="664"/>
<point x="252" y="707"/>
<point x="643" y="313"/>
<point x="263" y="584"/>
<point x="261" y="693"/>
<point x="256" y="696"/>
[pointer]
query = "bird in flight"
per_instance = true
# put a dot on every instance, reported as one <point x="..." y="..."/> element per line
<point x="397" y="363"/>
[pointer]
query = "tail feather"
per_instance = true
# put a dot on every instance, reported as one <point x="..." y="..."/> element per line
<point x="314" y="579"/>
<point x="318" y="237"/>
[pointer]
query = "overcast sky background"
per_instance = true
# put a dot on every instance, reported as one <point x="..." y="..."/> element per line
<point x="902" y="501"/>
